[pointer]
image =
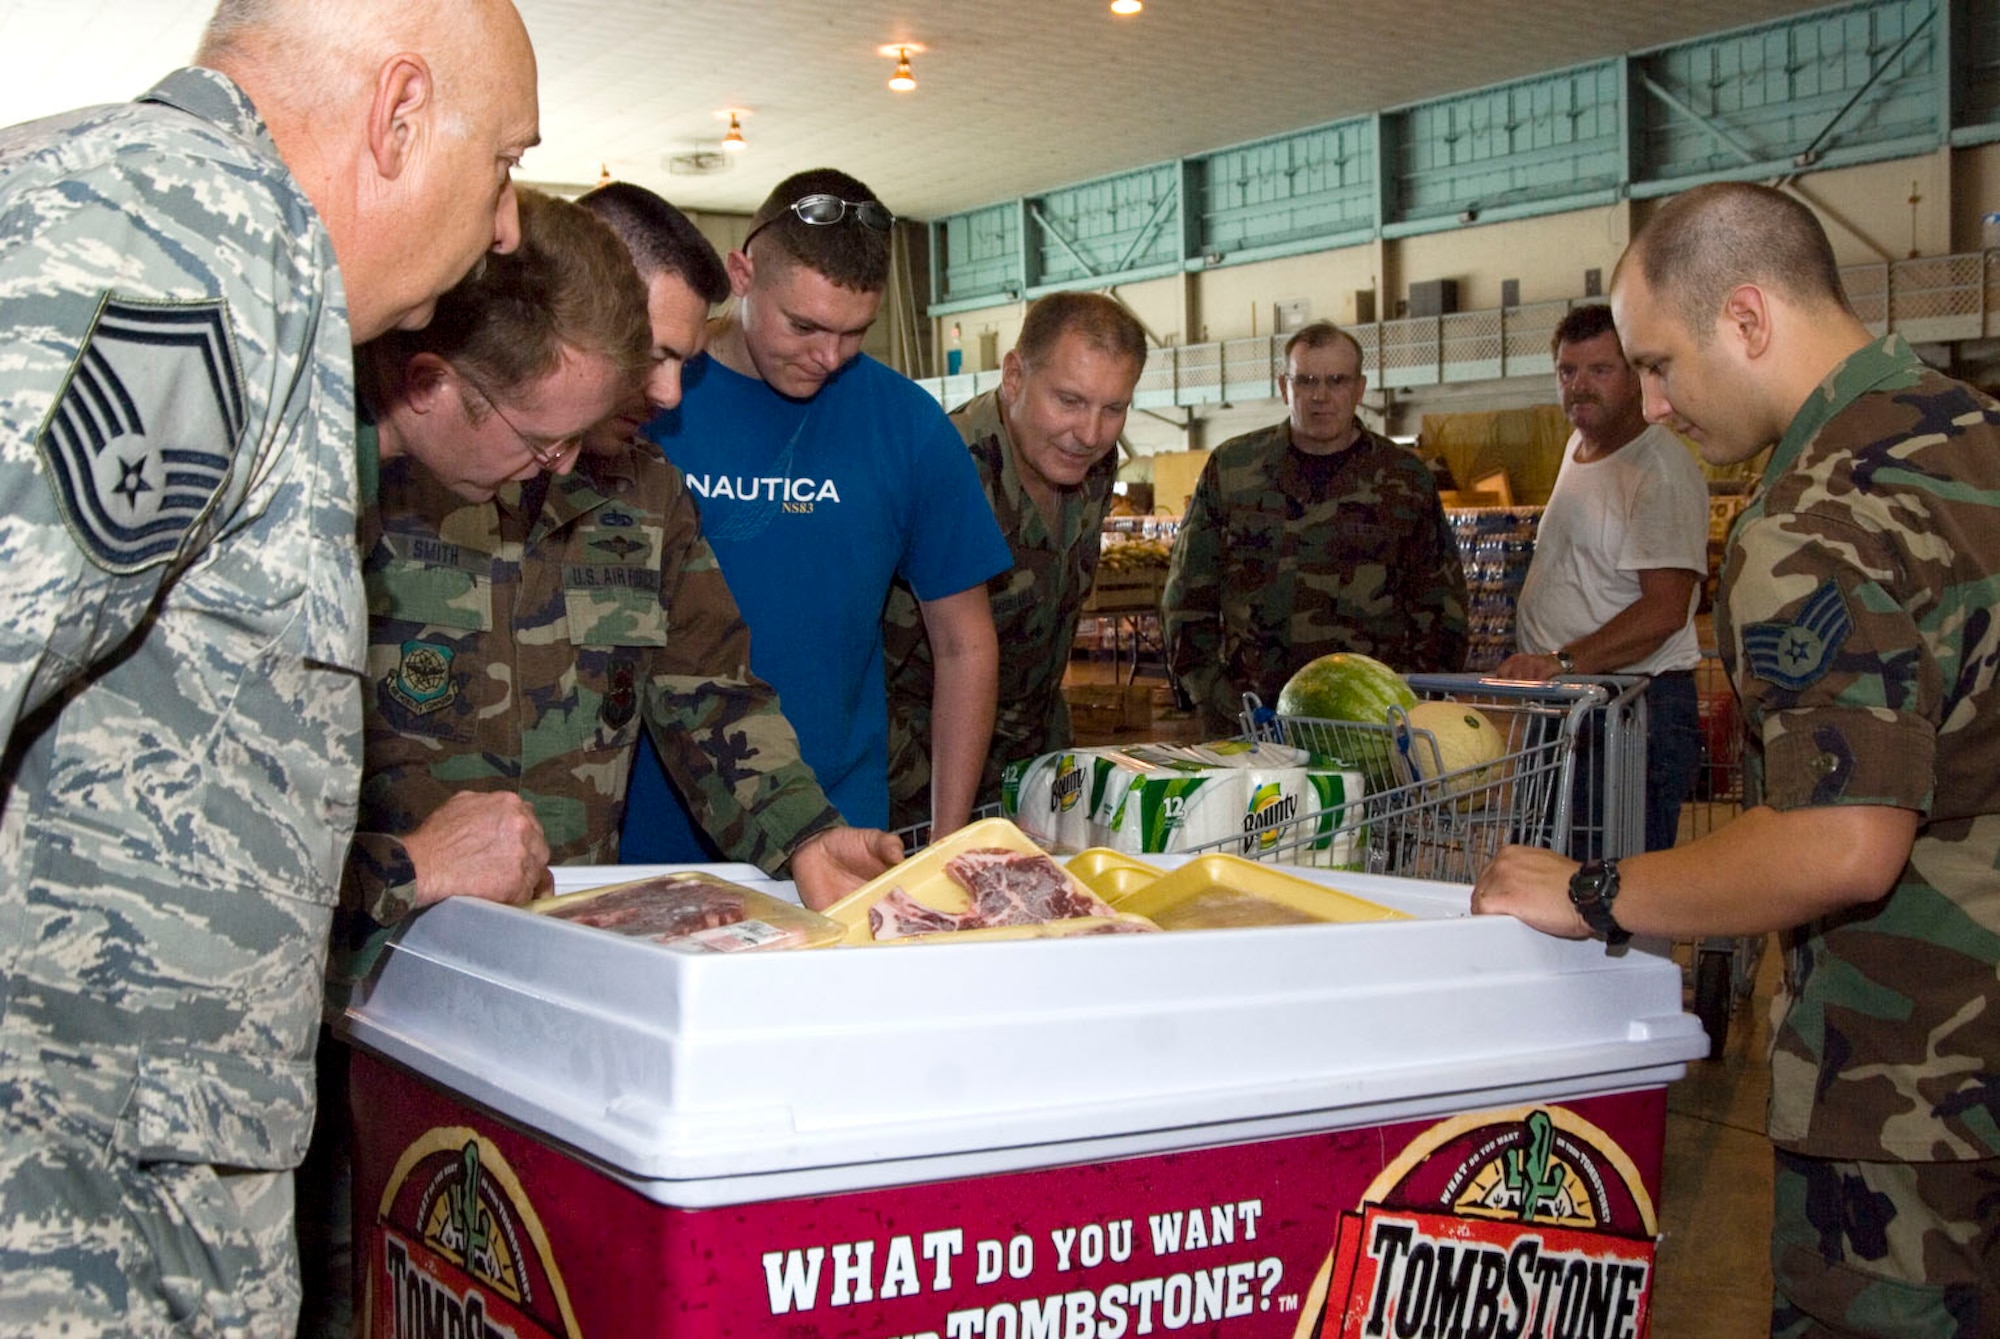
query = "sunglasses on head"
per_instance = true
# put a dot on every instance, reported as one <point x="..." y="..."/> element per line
<point x="823" y="211"/>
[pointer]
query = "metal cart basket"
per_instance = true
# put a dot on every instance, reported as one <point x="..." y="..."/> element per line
<point x="1572" y="778"/>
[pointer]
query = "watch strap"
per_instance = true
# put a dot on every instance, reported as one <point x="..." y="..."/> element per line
<point x="1592" y="890"/>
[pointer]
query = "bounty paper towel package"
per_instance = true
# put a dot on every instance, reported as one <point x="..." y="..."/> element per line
<point x="1048" y="798"/>
<point x="1155" y="798"/>
<point x="1341" y="840"/>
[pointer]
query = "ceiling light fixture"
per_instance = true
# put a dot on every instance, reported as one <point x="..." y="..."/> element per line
<point x="1123" y="7"/>
<point x="733" y="141"/>
<point x="902" y="80"/>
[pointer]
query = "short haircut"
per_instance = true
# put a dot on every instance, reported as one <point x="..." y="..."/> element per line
<point x="1704" y="242"/>
<point x="662" y="240"/>
<point x="850" y="253"/>
<point x="1099" y="321"/>
<point x="570" y="284"/>
<point x="1320" y="334"/>
<point x="1581" y="324"/>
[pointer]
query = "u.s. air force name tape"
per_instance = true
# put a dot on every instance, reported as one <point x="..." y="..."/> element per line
<point x="140" y="442"/>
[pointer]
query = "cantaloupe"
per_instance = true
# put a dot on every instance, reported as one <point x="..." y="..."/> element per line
<point x="1468" y="753"/>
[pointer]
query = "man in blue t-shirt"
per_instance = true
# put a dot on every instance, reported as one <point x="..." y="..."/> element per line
<point x="822" y="476"/>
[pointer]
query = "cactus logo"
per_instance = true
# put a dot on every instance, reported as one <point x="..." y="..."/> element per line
<point x="1529" y="1223"/>
<point x="460" y="1250"/>
<point x="1068" y="786"/>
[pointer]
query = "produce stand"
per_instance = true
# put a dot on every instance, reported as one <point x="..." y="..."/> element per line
<point x="1285" y="1131"/>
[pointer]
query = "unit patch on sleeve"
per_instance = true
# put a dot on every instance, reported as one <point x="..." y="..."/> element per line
<point x="1795" y="654"/>
<point x="140" y="442"/>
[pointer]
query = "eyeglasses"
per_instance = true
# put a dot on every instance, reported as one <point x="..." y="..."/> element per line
<point x="547" y="453"/>
<point x="823" y="211"/>
<point x="1333" y="381"/>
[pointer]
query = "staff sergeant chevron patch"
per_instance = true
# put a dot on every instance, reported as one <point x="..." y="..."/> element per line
<point x="141" y="440"/>
<point x="1793" y="655"/>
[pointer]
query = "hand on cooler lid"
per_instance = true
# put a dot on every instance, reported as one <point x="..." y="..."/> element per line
<point x="831" y="864"/>
<point x="480" y="844"/>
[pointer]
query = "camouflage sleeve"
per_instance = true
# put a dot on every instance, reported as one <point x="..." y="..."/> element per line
<point x="717" y="726"/>
<point x="379" y="879"/>
<point x="1191" y="608"/>
<point x="79" y="273"/>
<point x="1437" y="598"/>
<point x="1836" y="678"/>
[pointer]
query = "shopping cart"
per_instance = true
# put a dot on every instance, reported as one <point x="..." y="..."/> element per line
<point x="1572" y="778"/>
<point x="918" y="835"/>
<point x="1724" y="971"/>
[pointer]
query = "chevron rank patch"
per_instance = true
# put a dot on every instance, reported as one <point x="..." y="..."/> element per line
<point x="1793" y="655"/>
<point x="141" y="441"/>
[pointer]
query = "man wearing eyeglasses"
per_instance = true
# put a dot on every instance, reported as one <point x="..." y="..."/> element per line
<point x="1310" y="537"/>
<point x="822" y="476"/>
<point x="478" y="408"/>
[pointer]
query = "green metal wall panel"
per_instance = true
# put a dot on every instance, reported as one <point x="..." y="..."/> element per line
<point x="1836" y="80"/>
<point x="1107" y="227"/>
<point x="1316" y="183"/>
<point x="1546" y="138"/>
<point x="982" y="253"/>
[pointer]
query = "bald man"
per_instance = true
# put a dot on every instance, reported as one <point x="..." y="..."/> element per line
<point x="181" y="628"/>
<point x="1856" y="620"/>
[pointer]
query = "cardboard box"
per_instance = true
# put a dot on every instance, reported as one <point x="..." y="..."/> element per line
<point x="1100" y="708"/>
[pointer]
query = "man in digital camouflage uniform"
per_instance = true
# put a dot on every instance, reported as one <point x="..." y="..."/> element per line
<point x="1857" y="623"/>
<point x="1045" y="443"/>
<point x="179" y="284"/>
<point x="1310" y="537"/>
<point x="589" y="594"/>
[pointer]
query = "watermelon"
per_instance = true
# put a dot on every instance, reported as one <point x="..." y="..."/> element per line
<point x="1469" y="749"/>
<point x="1349" y="687"/>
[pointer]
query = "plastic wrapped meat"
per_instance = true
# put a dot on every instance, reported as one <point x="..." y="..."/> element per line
<point x="1003" y="888"/>
<point x="664" y="908"/>
<point x="695" y="911"/>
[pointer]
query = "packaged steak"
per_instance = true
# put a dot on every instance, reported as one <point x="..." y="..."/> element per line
<point x="988" y="880"/>
<point x="694" y="912"/>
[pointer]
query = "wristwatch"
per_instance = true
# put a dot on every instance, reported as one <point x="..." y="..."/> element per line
<point x="1592" y="890"/>
<point x="1565" y="661"/>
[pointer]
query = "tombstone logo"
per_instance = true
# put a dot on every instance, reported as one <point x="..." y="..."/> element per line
<point x="458" y="1239"/>
<point x="1529" y="1223"/>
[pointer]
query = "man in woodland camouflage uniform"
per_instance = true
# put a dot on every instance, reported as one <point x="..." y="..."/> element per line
<point x="1045" y="443"/>
<point x="591" y="595"/>
<point x="183" y="621"/>
<point x="1857" y="624"/>
<point x="1309" y="537"/>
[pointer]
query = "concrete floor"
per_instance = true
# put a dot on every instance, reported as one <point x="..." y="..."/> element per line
<point x="1714" y="1279"/>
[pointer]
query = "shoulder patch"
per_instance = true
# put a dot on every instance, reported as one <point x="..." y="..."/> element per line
<point x="1793" y="655"/>
<point x="141" y="440"/>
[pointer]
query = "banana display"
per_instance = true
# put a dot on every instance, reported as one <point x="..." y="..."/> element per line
<point x="1133" y="555"/>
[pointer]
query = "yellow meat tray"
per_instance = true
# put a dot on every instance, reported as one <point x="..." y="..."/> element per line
<point x="924" y="879"/>
<point x="1218" y="892"/>
<point x="696" y="911"/>
<point x="1111" y="874"/>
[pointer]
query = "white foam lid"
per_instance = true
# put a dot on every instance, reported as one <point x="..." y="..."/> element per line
<point x="711" y="1079"/>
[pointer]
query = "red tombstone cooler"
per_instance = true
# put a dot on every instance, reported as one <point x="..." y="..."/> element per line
<point x="1441" y="1126"/>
